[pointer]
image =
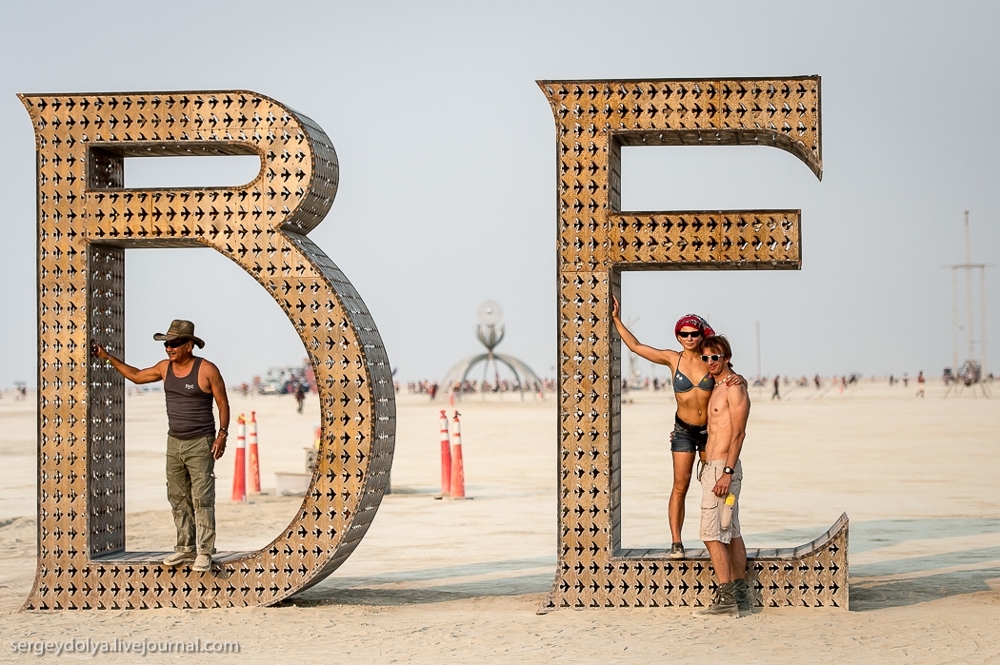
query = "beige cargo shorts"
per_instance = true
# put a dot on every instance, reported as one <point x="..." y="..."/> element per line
<point x="715" y="513"/>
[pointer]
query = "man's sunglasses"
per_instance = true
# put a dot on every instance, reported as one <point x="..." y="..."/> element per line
<point x="714" y="358"/>
<point x="689" y="333"/>
<point x="174" y="343"/>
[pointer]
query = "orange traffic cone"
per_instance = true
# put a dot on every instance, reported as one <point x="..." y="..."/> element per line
<point x="240" y="473"/>
<point x="457" y="468"/>
<point x="445" y="457"/>
<point x="254" y="460"/>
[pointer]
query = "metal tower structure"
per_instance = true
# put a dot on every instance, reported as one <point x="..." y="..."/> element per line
<point x="974" y="370"/>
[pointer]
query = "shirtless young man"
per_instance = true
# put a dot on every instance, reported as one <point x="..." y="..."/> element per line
<point x="722" y="477"/>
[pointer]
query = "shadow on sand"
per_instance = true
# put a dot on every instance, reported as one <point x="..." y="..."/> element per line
<point x="868" y="595"/>
<point x="909" y="580"/>
<point x="435" y="585"/>
<point x="892" y="582"/>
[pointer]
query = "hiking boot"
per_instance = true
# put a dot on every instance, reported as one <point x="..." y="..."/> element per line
<point x="742" y="596"/>
<point x="724" y="605"/>
<point x="179" y="559"/>
<point x="202" y="563"/>
<point x="676" y="551"/>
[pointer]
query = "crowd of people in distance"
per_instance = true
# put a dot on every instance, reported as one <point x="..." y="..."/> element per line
<point x="781" y="386"/>
<point x="966" y="375"/>
<point x="20" y="391"/>
<point x="432" y="388"/>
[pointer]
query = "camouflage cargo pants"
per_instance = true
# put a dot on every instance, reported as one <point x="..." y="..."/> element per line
<point x="191" y="492"/>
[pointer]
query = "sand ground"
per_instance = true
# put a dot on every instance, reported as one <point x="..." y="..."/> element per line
<point x="455" y="582"/>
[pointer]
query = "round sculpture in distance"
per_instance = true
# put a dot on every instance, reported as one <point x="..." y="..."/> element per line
<point x="489" y="313"/>
<point x="490" y="333"/>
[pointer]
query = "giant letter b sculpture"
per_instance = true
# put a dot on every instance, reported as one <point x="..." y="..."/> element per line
<point x="86" y="220"/>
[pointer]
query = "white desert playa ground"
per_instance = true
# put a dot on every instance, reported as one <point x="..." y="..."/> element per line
<point x="457" y="582"/>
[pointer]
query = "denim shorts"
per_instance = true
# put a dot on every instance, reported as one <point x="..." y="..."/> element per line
<point x="688" y="438"/>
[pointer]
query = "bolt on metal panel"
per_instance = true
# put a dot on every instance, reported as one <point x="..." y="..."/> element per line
<point x="86" y="220"/>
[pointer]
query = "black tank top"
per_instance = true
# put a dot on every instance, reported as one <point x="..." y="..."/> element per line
<point x="189" y="408"/>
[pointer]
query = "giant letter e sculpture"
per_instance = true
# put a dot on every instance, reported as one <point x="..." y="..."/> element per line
<point x="86" y="221"/>
<point x="596" y="241"/>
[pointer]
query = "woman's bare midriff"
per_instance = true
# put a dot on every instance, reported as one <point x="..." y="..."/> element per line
<point x="692" y="406"/>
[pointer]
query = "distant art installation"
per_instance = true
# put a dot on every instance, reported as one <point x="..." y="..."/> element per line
<point x="490" y="333"/>
<point x="86" y="221"/>
<point x="596" y="240"/>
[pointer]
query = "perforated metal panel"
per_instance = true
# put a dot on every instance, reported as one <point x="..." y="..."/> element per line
<point x="596" y="241"/>
<point x="86" y="219"/>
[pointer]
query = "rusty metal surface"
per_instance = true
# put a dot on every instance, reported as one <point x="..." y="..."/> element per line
<point x="86" y="220"/>
<point x="596" y="240"/>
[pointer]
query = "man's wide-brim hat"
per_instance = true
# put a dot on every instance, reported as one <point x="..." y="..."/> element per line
<point x="180" y="329"/>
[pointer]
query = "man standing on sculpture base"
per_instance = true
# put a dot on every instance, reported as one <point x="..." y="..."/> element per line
<point x="721" y="480"/>
<point x="190" y="384"/>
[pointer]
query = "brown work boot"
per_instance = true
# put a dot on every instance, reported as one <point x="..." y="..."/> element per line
<point x="742" y="594"/>
<point x="725" y="603"/>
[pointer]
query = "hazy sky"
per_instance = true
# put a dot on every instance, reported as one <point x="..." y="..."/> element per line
<point x="447" y="190"/>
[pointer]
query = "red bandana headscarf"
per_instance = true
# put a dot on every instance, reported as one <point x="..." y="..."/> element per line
<point x="694" y="321"/>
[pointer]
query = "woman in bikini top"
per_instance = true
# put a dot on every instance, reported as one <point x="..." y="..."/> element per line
<point x="682" y="383"/>
<point x="690" y="433"/>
